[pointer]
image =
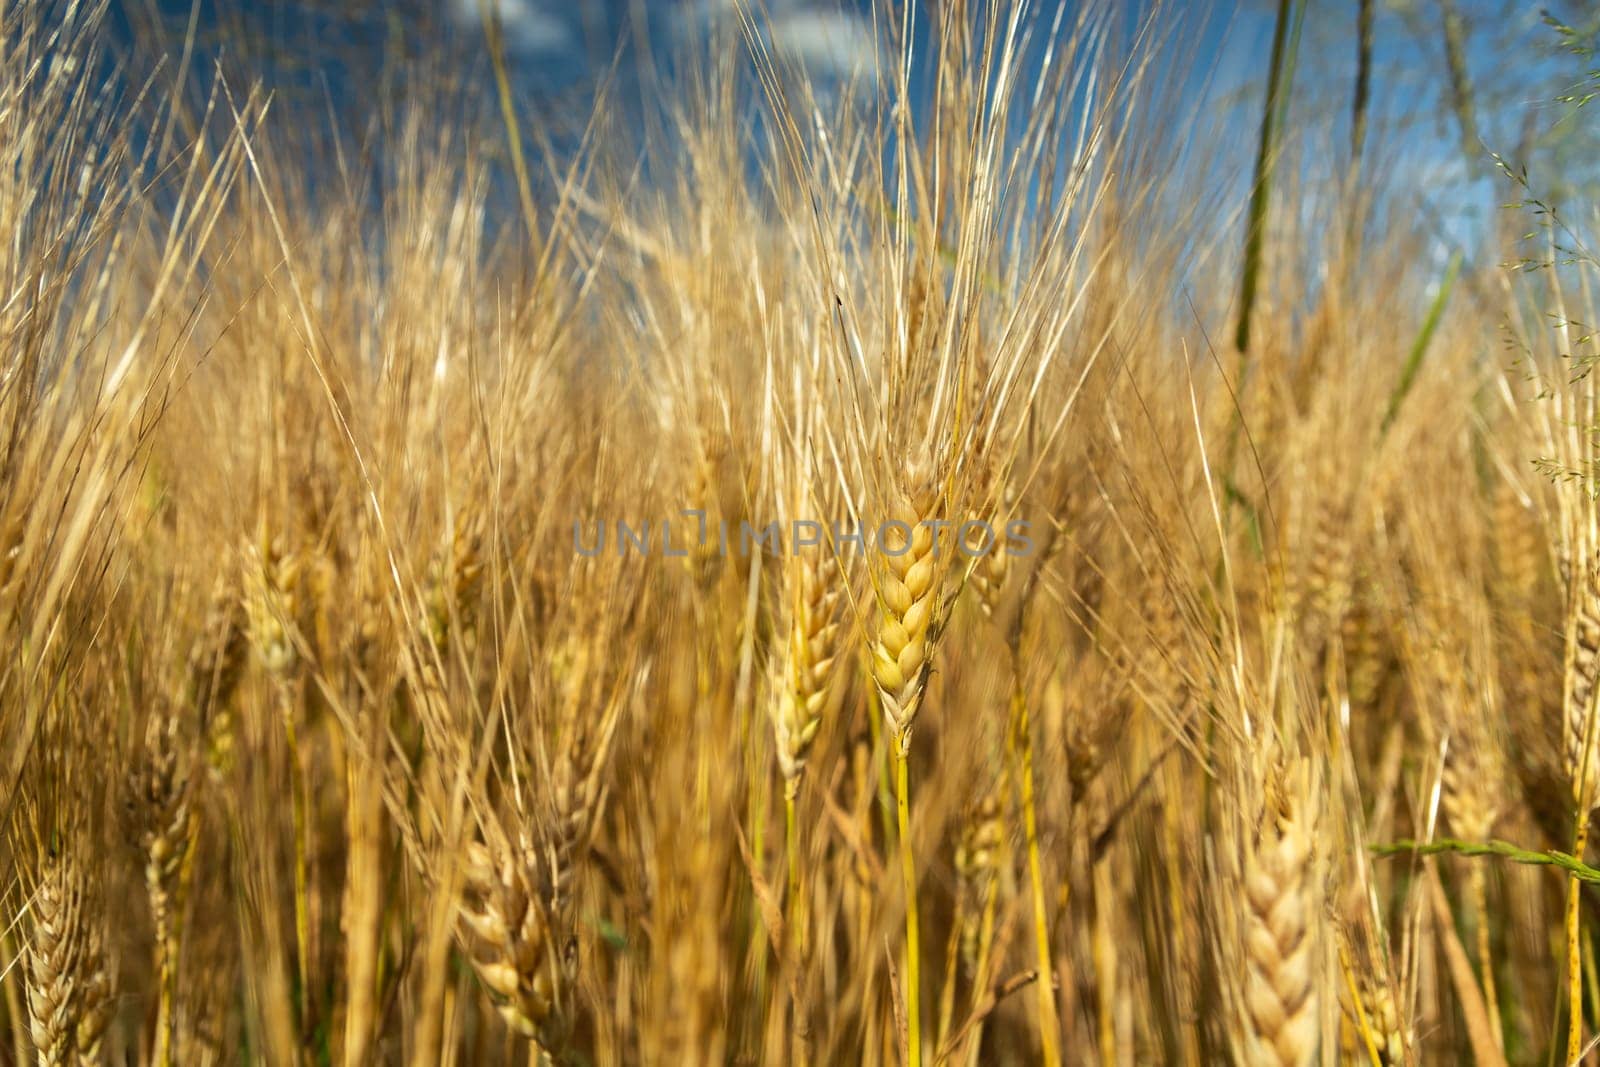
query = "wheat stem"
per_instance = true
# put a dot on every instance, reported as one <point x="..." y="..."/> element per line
<point x="1591" y="982"/>
<point x="791" y="849"/>
<point x="1369" y="1042"/>
<point x="1022" y="749"/>
<point x="982" y="971"/>
<point x="1574" y="932"/>
<point x="908" y="868"/>
<point x="1478" y="889"/>
<point x="796" y="923"/>
<point x="363" y="908"/>
<point x="947" y="987"/>
<point x="1105" y="968"/>
<point x="169" y="932"/>
<point x="297" y="804"/>
<point x="16" y="1020"/>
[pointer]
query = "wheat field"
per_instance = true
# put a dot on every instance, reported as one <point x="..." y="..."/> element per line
<point x="906" y="571"/>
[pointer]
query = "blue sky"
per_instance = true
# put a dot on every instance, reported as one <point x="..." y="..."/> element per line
<point x="560" y="49"/>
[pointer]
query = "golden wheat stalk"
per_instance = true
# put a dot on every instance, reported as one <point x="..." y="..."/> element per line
<point x="909" y="590"/>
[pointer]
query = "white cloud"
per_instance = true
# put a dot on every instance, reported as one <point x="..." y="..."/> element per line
<point x="529" y="27"/>
<point x="709" y="11"/>
<point x="830" y="44"/>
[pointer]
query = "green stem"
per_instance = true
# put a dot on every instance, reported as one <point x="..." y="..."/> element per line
<point x="1278" y="78"/>
<point x="1358" y="110"/>
<point x="1419" y="347"/>
<point x="1579" y="870"/>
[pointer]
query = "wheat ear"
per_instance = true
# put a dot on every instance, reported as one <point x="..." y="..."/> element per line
<point x="813" y="649"/>
<point x="908" y="601"/>
<point x="1280" y="981"/>
<point x="517" y="950"/>
<point x="161" y="800"/>
<point x="68" y="980"/>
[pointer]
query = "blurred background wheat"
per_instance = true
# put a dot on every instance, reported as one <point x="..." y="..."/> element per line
<point x="333" y="335"/>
